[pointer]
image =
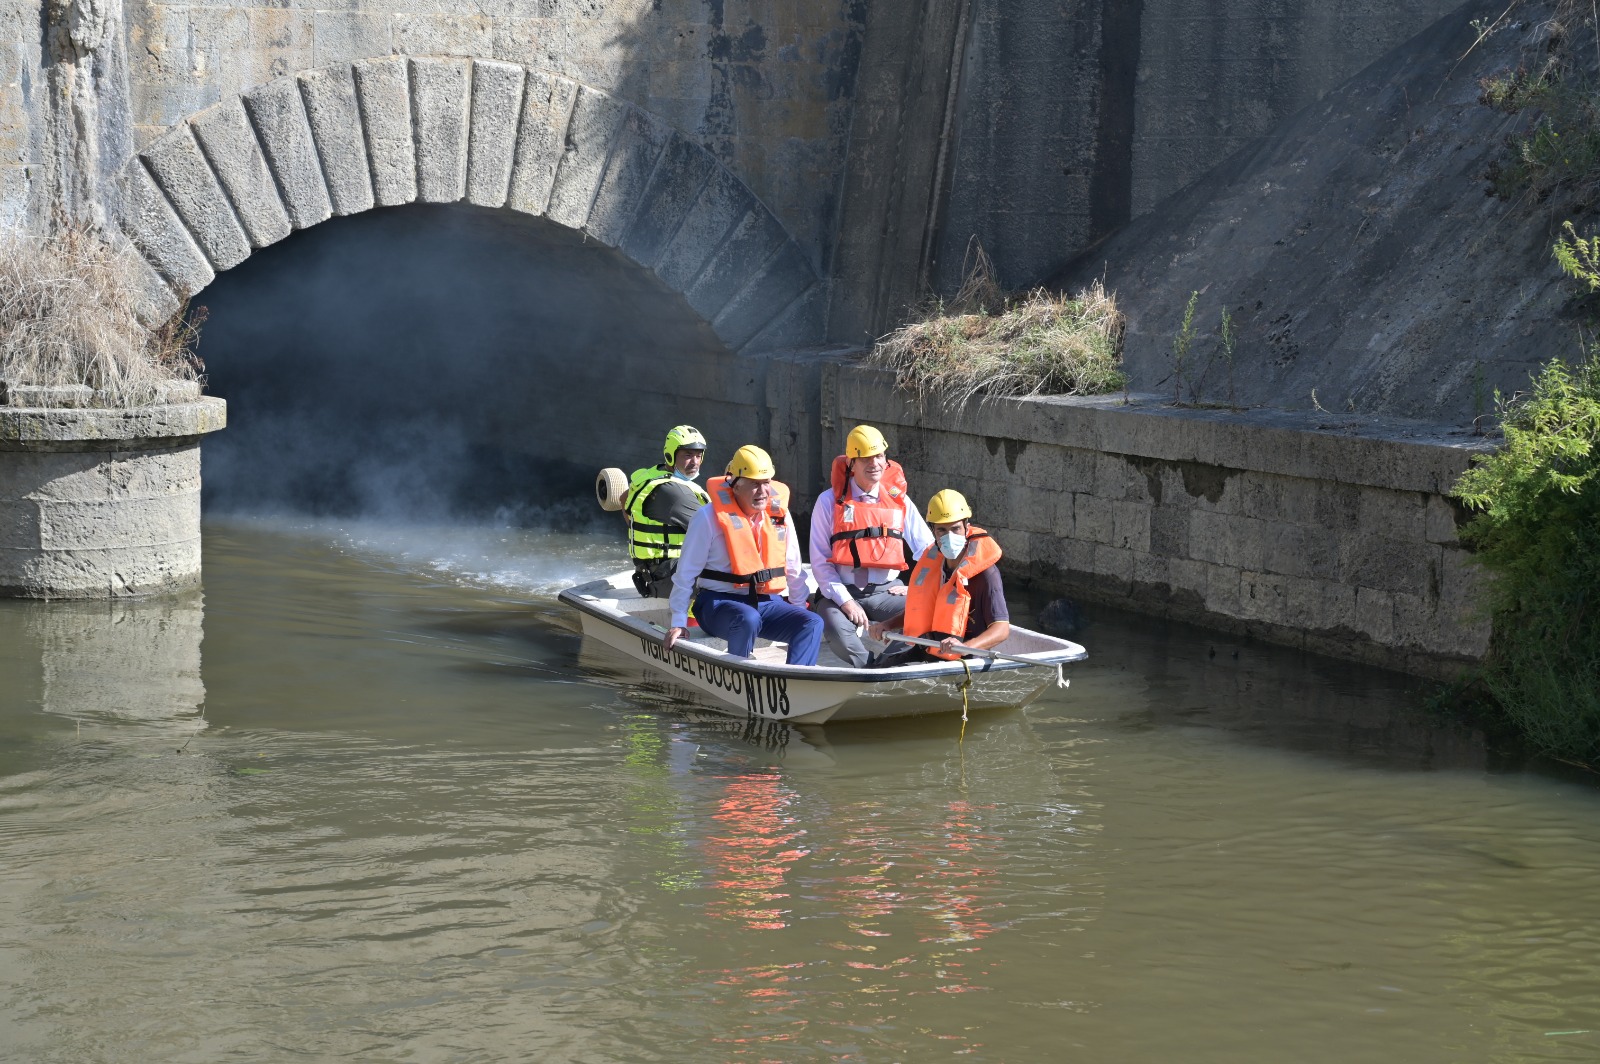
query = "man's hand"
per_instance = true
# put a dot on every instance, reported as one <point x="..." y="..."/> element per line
<point x="673" y="635"/>
<point x="899" y="589"/>
<point x="853" y="612"/>
<point x="877" y="629"/>
<point x="949" y="643"/>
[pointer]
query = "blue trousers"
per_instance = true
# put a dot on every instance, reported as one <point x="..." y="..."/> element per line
<point x="733" y="618"/>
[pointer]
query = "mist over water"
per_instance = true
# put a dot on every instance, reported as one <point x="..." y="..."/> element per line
<point x="433" y="365"/>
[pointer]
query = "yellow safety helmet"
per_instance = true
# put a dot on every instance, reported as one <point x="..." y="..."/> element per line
<point x="947" y="507"/>
<point x="681" y="436"/>
<point x="751" y="461"/>
<point x="865" y="441"/>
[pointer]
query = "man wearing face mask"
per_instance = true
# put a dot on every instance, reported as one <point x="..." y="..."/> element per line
<point x="660" y="503"/>
<point x="955" y="594"/>
<point x="865" y="532"/>
<point x="741" y="561"/>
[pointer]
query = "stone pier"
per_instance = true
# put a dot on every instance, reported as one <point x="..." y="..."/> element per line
<point x="102" y="503"/>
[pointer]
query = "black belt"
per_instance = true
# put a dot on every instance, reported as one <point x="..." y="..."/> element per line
<point x="753" y="580"/>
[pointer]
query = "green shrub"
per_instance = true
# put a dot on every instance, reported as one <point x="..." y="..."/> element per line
<point x="1579" y="257"/>
<point x="1537" y="534"/>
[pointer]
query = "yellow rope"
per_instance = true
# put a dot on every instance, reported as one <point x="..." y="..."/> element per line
<point x="967" y="683"/>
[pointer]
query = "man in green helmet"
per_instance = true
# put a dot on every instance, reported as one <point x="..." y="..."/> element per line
<point x="661" y="499"/>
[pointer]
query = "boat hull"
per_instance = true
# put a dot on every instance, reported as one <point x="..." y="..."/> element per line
<point x="771" y="690"/>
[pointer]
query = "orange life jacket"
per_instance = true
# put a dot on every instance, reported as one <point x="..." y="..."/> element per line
<point x="870" y="535"/>
<point x="935" y="609"/>
<point x="762" y="570"/>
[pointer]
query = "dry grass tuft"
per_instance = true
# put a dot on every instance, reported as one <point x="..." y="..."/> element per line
<point x="983" y="344"/>
<point x="67" y="317"/>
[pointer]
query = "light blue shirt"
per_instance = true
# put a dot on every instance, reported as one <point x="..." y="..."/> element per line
<point x="832" y="578"/>
<point x="704" y="548"/>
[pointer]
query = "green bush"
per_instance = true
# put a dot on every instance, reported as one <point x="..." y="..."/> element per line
<point x="1537" y="534"/>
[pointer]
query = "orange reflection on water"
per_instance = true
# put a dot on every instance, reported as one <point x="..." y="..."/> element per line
<point x="917" y="896"/>
<point x="752" y="855"/>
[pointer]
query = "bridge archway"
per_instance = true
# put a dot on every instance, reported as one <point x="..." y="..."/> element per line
<point x="245" y="173"/>
<point x="511" y="171"/>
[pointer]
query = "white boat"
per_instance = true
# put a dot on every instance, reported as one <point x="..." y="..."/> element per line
<point x="763" y="686"/>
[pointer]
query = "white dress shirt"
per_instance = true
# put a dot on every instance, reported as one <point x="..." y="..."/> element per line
<point x="704" y="548"/>
<point x="832" y="578"/>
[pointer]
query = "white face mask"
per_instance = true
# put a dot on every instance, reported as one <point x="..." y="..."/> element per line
<point x="691" y="477"/>
<point x="951" y="544"/>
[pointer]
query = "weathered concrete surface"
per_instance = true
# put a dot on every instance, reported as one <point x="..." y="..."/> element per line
<point x="52" y="429"/>
<point x="230" y="146"/>
<point x="1357" y="251"/>
<point x="101" y="503"/>
<point x="1334" y="535"/>
<point x="1040" y="126"/>
<point x="277" y="110"/>
<point x="1146" y="97"/>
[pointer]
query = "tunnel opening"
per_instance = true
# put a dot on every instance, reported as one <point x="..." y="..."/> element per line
<point x="433" y="362"/>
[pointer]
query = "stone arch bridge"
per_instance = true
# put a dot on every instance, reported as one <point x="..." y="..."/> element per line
<point x="245" y="173"/>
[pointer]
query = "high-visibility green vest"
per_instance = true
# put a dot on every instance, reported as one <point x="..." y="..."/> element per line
<point x="650" y="540"/>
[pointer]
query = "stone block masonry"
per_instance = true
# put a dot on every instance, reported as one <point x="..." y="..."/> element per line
<point x="1335" y="535"/>
<point x="98" y="503"/>
<point x="245" y="172"/>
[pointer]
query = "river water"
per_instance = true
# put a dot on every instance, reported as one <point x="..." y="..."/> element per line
<point x="370" y="799"/>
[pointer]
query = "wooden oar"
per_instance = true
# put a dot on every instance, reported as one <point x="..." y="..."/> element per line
<point x="1061" y="679"/>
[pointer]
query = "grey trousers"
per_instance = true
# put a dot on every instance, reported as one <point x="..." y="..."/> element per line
<point x="841" y="634"/>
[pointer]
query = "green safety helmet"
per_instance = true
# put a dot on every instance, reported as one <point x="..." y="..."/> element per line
<point x="681" y="436"/>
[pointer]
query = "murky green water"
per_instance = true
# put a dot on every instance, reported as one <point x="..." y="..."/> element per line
<point x="412" y="825"/>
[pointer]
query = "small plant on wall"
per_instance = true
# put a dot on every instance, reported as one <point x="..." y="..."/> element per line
<point x="1186" y="375"/>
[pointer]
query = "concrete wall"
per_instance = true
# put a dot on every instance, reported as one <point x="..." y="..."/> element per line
<point x="1337" y="538"/>
<point x="1075" y="117"/>
<point x="1357" y="253"/>
<point x="1215" y="77"/>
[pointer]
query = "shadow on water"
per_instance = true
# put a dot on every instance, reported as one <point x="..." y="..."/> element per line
<point x="1163" y="675"/>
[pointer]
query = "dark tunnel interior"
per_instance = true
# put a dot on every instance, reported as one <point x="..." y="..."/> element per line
<point x="435" y="362"/>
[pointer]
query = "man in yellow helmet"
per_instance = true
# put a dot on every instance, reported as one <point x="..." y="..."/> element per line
<point x="740" y="564"/>
<point x="865" y="532"/>
<point x="955" y="594"/>
<point x="661" y="501"/>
